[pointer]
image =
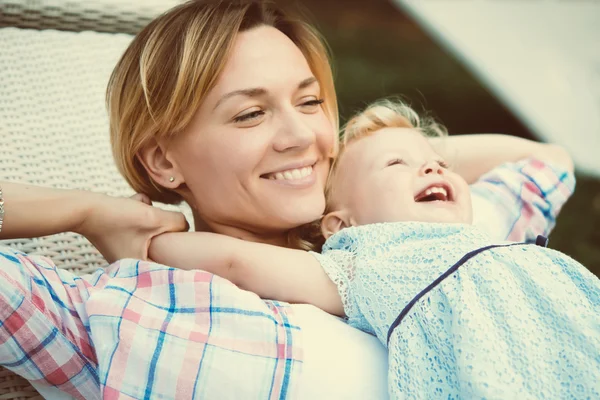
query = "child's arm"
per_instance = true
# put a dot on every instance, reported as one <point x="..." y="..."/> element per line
<point x="271" y="272"/>
<point x="471" y="156"/>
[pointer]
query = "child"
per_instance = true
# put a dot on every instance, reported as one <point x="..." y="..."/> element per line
<point x="462" y="317"/>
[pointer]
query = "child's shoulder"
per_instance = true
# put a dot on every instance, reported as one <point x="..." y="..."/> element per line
<point x="401" y="233"/>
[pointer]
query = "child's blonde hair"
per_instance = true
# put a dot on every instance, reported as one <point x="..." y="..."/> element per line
<point x="379" y="115"/>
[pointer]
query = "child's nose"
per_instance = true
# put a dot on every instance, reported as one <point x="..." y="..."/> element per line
<point x="432" y="167"/>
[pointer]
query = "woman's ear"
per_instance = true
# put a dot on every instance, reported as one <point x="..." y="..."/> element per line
<point x="334" y="222"/>
<point x="163" y="171"/>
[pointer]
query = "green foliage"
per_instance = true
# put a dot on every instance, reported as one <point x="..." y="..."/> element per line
<point x="577" y="231"/>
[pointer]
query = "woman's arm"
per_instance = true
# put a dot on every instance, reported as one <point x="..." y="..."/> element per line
<point x="118" y="227"/>
<point x="473" y="155"/>
<point x="271" y="272"/>
<point x="32" y="211"/>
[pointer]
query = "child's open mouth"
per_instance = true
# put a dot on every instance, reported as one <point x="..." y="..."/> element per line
<point x="436" y="192"/>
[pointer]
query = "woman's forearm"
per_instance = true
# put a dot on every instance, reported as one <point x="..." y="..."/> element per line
<point x="33" y="211"/>
<point x="118" y="227"/>
<point x="473" y="155"/>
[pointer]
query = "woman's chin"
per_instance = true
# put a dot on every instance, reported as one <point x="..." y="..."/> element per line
<point x="294" y="214"/>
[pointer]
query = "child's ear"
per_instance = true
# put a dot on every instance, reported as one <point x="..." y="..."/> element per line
<point x="334" y="222"/>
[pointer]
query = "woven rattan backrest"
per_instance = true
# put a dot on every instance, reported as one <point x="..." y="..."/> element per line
<point x="114" y="16"/>
<point x="53" y="122"/>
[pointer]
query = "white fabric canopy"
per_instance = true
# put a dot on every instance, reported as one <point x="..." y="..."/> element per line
<point x="540" y="58"/>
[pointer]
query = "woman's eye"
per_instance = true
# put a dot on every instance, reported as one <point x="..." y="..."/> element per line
<point x="396" y="161"/>
<point x="313" y="103"/>
<point x="249" y="116"/>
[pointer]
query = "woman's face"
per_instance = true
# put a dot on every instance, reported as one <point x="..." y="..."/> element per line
<point x="256" y="156"/>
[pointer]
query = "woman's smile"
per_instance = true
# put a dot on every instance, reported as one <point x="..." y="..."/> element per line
<point x="298" y="175"/>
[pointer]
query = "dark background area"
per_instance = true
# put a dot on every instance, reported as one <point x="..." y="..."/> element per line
<point x="378" y="51"/>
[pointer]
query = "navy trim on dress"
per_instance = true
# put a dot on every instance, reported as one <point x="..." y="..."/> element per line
<point x="540" y="241"/>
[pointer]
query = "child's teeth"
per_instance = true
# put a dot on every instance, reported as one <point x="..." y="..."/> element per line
<point x="438" y="190"/>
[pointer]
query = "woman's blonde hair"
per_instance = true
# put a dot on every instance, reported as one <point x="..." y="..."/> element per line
<point x="382" y="114"/>
<point x="166" y="72"/>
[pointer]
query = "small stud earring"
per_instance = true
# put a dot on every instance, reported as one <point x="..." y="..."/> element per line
<point x="171" y="179"/>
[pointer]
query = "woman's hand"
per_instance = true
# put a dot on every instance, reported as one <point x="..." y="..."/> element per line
<point x="119" y="227"/>
<point x="122" y="227"/>
<point x="471" y="156"/>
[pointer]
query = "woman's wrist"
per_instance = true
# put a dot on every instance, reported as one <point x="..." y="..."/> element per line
<point x="473" y="155"/>
<point x="33" y="211"/>
<point x="84" y="204"/>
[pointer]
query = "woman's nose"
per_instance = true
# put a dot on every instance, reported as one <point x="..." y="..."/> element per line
<point x="294" y="133"/>
<point x="432" y="167"/>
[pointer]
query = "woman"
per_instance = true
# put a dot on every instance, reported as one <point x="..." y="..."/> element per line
<point x="229" y="106"/>
<point x="182" y="129"/>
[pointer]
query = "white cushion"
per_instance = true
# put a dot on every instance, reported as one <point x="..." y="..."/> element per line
<point x="340" y="362"/>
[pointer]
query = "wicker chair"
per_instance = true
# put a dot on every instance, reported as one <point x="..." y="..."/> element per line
<point x="55" y="62"/>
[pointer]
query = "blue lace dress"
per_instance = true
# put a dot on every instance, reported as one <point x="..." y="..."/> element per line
<point x="513" y="322"/>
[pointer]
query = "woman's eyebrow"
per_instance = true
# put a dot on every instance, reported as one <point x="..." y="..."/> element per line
<point x="307" y="82"/>
<point x="250" y="92"/>
<point x="254" y="92"/>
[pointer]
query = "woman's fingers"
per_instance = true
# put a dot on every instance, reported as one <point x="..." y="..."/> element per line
<point x="176" y="221"/>
<point x="167" y="221"/>
<point x="141" y="197"/>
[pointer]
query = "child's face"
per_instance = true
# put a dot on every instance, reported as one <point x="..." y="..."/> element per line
<point x="395" y="175"/>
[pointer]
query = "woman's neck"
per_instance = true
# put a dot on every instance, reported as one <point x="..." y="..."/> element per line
<point x="274" y="238"/>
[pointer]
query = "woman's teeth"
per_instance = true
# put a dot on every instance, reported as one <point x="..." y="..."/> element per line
<point x="292" y="174"/>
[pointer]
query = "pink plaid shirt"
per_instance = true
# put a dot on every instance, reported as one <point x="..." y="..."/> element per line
<point x="142" y="330"/>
